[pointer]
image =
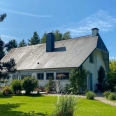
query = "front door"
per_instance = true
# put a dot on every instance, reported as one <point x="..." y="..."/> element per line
<point x="90" y="82"/>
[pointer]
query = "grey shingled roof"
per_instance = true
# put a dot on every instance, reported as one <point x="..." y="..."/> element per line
<point x="67" y="53"/>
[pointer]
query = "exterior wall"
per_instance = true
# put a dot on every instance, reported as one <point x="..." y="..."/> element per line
<point x="44" y="81"/>
<point x="94" y="67"/>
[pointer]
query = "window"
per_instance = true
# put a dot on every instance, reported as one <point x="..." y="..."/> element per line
<point x="49" y="76"/>
<point x="91" y="58"/>
<point x="15" y="77"/>
<point x="23" y="76"/>
<point x="40" y="76"/>
<point x="61" y="76"/>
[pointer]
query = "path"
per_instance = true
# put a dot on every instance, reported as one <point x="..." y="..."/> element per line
<point x="99" y="96"/>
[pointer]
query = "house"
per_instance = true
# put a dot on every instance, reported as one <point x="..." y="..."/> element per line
<point x="54" y="58"/>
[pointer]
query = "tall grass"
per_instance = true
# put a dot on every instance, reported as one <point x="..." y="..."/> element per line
<point x="65" y="106"/>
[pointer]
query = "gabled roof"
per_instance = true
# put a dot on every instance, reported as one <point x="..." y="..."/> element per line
<point x="67" y="53"/>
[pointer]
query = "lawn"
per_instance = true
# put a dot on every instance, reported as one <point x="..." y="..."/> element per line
<point x="43" y="106"/>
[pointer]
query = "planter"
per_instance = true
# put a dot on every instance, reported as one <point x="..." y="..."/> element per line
<point x="6" y="92"/>
<point x="99" y="87"/>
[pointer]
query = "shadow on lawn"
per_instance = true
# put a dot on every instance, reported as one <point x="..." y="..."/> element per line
<point x="6" y="110"/>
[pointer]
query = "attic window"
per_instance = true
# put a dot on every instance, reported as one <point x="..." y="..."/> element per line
<point x="91" y="58"/>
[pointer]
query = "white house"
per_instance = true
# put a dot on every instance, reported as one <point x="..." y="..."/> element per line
<point x="53" y="58"/>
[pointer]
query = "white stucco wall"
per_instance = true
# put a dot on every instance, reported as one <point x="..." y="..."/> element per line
<point x="44" y="81"/>
<point x="94" y="67"/>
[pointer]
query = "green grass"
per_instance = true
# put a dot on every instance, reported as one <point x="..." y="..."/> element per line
<point x="43" y="106"/>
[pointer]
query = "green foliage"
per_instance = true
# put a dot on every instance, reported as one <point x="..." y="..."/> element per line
<point x="16" y="86"/>
<point x="66" y="35"/>
<point x="90" y="95"/>
<point x="29" y="84"/>
<point x="112" y="72"/>
<point x="106" y="93"/>
<point x="112" y="96"/>
<point x="2" y="17"/>
<point x="7" y="90"/>
<point x="2" y="53"/>
<point x="34" y="40"/>
<point x="78" y="80"/>
<point x="22" y="43"/>
<point x="43" y="39"/>
<point x="58" y="36"/>
<point x="11" y="44"/>
<point x="65" y="106"/>
<point x="7" y="67"/>
<point x="101" y="75"/>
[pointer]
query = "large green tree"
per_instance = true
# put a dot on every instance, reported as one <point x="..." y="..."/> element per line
<point x="66" y="35"/>
<point x="11" y="44"/>
<point x="112" y="71"/>
<point x="6" y="67"/>
<point x="2" y="53"/>
<point x="34" y="40"/>
<point x="58" y="36"/>
<point x="2" y="17"/>
<point x="78" y="80"/>
<point x="22" y="43"/>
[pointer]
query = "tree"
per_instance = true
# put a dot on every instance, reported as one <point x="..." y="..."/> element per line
<point x="2" y="17"/>
<point x="101" y="75"/>
<point x="29" y="84"/>
<point x="6" y="67"/>
<point x="22" y="43"/>
<point x="78" y="80"/>
<point x="2" y="53"/>
<point x="112" y="72"/>
<point x="16" y="86"/>
<point x="43" y="39"/>
<point x="58" y="35"/>
<point x="34" y="40"/>
<point x="66" y="35"/>
<point x="11" y="44"/>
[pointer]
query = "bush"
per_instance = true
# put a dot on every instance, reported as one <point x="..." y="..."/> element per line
<point x="90" y="95"/>
<point x="106" y="93"/>
<point x="7" y="90"/>
<point x="16" y="86"/>
<point x="65" y="106"/>
<point x="29" y="84"/>
<point x="112" y="96"/>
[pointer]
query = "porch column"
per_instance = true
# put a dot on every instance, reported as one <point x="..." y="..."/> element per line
<point x="44" y="75"/>
<point x="54" y="75"/>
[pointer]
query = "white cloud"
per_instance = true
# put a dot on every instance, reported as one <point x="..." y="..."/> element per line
<point x="6" y="38"/>
<point x="101" y="20"/>
<point x="27" y="14"/>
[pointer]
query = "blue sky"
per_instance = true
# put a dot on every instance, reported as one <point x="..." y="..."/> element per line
<point x="77" y="16"/>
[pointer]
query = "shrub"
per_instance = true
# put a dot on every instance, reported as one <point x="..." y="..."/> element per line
<point x="29" y="84"/>
<point x="106" y="93"/>
<point x="112" y="96"/>
<point x="16" y="86"/>
<point x="7" y="90"/>
<point x="65" y="106"/>
<point x="90" y="95"/>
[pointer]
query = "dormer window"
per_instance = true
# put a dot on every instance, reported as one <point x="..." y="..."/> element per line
<point x="91" y="58"/>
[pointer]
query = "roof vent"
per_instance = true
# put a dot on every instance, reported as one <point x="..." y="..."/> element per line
<point x="95" y="31"/>
<point x="49" y="42"/>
